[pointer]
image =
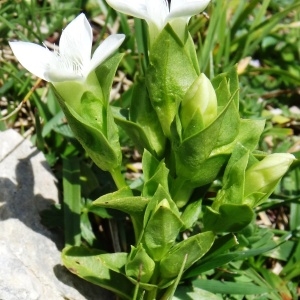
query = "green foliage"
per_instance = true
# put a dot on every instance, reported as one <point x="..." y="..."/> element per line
<point x="99" y="268"/>
<point x="194" y="229"/>
<point x="176" y="60"/>
<point x="103" y="148"/>
<point x="141" y="123"/>
<point x="194" y="247"/>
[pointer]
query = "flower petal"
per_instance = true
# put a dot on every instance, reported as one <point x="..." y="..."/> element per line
<point x="76" y="41"/>
<point x="105" y="49"/>
<point x="135" y="8"/>
<point x="158" y="11"/>
<point x="187" y="8"/>
<point x="33" y="57"/>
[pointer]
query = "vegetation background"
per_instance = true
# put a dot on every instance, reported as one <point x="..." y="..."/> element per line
<point x="261" y="37"/>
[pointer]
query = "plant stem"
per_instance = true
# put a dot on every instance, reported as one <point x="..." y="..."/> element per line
<point x="153" y="293"/>
<point x="118" y="178"/>
<point x="120" y="183"/>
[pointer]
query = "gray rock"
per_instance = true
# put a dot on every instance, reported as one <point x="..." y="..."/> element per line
<point x="30" y="263"/>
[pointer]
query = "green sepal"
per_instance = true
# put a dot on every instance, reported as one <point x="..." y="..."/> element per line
<point x="229" y="218"/>
<point x="103" y="269"/>
<point x="231" y="77"/>
<point x="139" y="264"/>
<point x="232" y="191"/>
<point x="195" y="247"/>
<point x="95" y="129"/>
<point x="160" y="194"/>
<point x="155" y="173"/>
<point x="171" y="71"/>
<point x="161" y="231"/>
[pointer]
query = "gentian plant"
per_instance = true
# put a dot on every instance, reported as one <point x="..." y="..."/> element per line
<point x="190" y="134"/>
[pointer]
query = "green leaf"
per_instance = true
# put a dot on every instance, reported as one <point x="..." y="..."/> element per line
<point x="143" y="114"/>
<point x="194" y="247"/>
<point x="249" y="135"/>
<point x="99" y="268"/>
<point x="191" y="214"/>
<point x="139" y="265"/>
<point x="250" y="132"/>
<point x="209" y="170"/>
<point x="136" y="132"/>
<point x="124" y="201"/>
<point x="230" y="218"/>
<point x="171" y="72"/>
<point x="277" y="283"/>
<point x="171" y="290"/>
<point x="217" y="259"/>
<point x="161" y="231"/>
<point x="185" y="292"/>
<point x="292" y="268"/>
<point x="95" y="130"/>
<point x="217" y="256"/>
<point x="106" y="73"/>
<point x="214" y="262"/>
<point x="141" y="122"/>
<point x="234" y="85"/>
<point x="223" y="287"/>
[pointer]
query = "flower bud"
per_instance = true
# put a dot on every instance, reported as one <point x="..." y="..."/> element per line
<point x="199" y="105"/>
<point x="262" y="177"/>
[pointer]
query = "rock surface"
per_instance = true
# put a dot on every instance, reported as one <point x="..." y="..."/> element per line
<point x="30" y="264"/>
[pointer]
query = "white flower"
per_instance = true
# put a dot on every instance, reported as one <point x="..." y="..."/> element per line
<point x="72" y="61"/>
<point x="158" y="13"/>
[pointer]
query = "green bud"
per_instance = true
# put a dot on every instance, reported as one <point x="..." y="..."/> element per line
<point x="139" y="266"/>
<point x="262" y="177"/>
<point x="163" y="203"/>
<point x="199" y="105"/>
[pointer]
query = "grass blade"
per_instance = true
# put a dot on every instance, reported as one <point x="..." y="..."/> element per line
<point x="72" y="201"/>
